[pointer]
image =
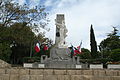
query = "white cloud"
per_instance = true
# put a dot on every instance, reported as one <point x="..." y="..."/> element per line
<point x="33" y="3"/>
<point x="48" y="3"/>
<point x="21" y="2"/>
<point x="81" y="14"/>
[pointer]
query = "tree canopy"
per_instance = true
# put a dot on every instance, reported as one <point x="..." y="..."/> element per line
<point x="109" y="44"/>
<point x="17" y="22"/>
<point x="11" y="12"/>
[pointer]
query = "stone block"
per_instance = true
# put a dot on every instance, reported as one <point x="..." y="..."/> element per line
<point x="116" y="77"/>
<point x="50" y="77"/>
<point x="60" y="77"/>
<point x="2" y="71"/>
<point x="28" y="65"/>
<point x="107" y="78"/>
<point x="87" y="72"/>
<point x="24" y="71"/>
<point x="78" y="66"/>
<point x="79" y="72"/>
<point x="99" y="73"/>
<point x="67" y="77"/>
<point x="60" y="72"/>
<point x="113" y="66"/>
<point x="24" y="77"/>
<point x="87" y="77"/>
<point x="36" y="71"/>
<point x="1" y="78"/>
<point x="112" y="73"/>
<point x="12" y="71"/>
<point x="96" y="78"/>
<point x="4" y="77"/>
<point x="96" y="66"/>
<point x="48" y="72"/>
<point x="71" y="72"/>
<point x="14" y="77"/>
<point x="76" y="77"/>
<point x="118" y="72"/>
<point x="4" y="64"/>
<point x="41" y="65"/>
<point x="36" y="77"/>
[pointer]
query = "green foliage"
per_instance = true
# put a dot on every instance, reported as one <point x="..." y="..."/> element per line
<point x="115" y="55"/>
<point x="5" y="51"/>
<point x="110" y="43"/>
<point x="11" y="12"/>
<point x="95" y="61"/>
<point x="17" y="23"/>
<point x="85" y="54"/>
<point x="22" y="34"/>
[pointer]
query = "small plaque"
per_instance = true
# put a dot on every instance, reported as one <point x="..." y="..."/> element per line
<point x="113" y="66"/>
<point x="28" y="65"/>
<point x="78" y="66"/>
<point x="96" y="66"/>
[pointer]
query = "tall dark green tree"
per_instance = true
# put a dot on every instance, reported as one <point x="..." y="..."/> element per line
<point x="93" y="43"/>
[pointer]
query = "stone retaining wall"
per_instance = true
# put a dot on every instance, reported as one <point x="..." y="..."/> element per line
<point x="57" y="74"/>
<point x="4" y="64"/>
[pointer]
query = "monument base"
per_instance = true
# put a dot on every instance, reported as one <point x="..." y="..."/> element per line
<point x="60" y="58"/>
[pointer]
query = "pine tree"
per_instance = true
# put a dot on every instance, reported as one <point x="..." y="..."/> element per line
<point x="93" y="43"/>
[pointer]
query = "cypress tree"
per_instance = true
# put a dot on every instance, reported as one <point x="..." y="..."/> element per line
<point x="93" y="43"/>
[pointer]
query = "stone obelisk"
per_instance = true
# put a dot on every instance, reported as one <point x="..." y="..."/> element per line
<point x="61" y="31"/>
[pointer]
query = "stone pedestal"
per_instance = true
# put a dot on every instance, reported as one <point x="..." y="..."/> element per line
<point x="60" y="58"/>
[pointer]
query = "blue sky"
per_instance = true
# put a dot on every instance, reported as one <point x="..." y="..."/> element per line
<point x="79" y="15"/>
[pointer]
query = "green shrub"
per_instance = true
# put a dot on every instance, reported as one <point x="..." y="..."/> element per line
<point x="115" y="55"/>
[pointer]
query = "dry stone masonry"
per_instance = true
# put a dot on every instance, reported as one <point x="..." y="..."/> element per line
<point x="58" y="74"/>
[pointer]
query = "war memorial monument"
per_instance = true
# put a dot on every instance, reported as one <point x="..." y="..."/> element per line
<point x="60" y="56"/>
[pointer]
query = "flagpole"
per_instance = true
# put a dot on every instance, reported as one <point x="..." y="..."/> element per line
<point x="31" y="50"/>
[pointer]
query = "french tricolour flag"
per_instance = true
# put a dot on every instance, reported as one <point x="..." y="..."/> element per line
<point x="37" y="47"/>
<point x="79" y="47"/>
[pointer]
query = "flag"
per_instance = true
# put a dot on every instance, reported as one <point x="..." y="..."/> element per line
<point x="76" y="51"/>
<point x="45" y="47"/>
<point x="37" y="47"/>
<point x="79" y="47"/>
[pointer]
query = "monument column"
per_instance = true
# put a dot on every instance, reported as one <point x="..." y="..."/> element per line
<point x="61" y="31"/>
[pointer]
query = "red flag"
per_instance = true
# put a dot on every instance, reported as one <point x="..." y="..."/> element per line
<point x="37" y="47"/>
<point x="78" y="49"/>
<point x="45" y="47"/>
<point x="76" y="52"/>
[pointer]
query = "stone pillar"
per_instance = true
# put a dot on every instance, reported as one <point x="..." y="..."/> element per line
<point x="46" y="57"/>
<point x="78" y="59"/>
<point x="74" y="59"/>
<point x="42" y="59"/>
<point x="61" y="31"/>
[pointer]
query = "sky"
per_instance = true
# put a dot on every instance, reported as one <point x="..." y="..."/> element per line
<point x="79" y="15"/>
